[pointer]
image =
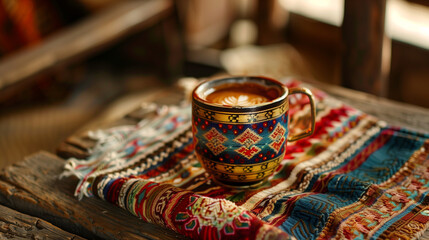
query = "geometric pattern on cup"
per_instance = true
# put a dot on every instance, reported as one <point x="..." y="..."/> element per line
<point x="242" y="172"/>
<point x="215" y="141"/>
<point x="238" y="117"/>
<point x="278" y="137"/>
<point x="235" y="169"/>
<point x="248" y="139"/>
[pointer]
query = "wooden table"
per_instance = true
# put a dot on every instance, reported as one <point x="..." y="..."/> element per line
<point x="35" y="203"/>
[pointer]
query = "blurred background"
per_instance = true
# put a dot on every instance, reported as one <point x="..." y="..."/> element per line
<point x="64" y="64"/>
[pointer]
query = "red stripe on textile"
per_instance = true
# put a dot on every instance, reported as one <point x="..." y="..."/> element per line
<point x="114" y="189"/>
<point x="139" y="201"/>
<point x="321" y="129"/>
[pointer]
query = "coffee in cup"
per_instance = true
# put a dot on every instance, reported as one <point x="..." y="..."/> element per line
<point x="241" y="94"/>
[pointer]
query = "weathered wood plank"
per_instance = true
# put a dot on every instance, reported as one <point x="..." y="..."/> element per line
<point x="15" y="225"/>
<point x="33" y="187"/>
<point x="67" y="150"/>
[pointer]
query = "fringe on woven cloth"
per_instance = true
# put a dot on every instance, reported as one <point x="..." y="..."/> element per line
<point x="112" y="150"/>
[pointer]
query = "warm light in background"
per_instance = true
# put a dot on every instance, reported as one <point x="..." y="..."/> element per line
<point x="327" y="11"/>
<point x="406" y="22"/>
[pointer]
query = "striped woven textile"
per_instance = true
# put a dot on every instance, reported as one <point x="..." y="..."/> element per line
<point x="354" y="178"/>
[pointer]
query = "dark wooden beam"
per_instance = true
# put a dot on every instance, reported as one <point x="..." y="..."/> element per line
<point x="263" y="22"/>
<point x="82" y="40"/>
<point x="362" y="33"/>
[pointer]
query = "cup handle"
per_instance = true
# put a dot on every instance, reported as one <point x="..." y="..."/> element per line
<point x="310" y="130"/>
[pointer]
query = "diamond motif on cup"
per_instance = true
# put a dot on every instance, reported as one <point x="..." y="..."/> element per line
<point x="224" y="176"/>
<point x="278" y="137"/>
<point x="233" y="118"/>
<point x="215" y="141"/>
<point x="248" y="139"/>
<point x="209" y="115"/>
<point x="211" y="165"/>
<point x="248" y="169"/>
<point x="229" y="169"/>
<point x="252" y="118"/>
<point x="195" y="132"/>
<point x="242" y="177"/>
<point x="269" y="114"/>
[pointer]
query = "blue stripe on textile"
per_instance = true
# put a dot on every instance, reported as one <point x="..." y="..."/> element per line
<point x="378" y="167"/>
<point x="310" y="213"/>
<point x="107" y="187"/>
<point x="279" y="205"/>
<point x="347" y="160"/>
<point x="399" y="216"/>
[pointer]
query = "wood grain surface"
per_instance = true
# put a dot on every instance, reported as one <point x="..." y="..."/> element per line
<point x="15" y="225"/>
<point x="33" y="186"/>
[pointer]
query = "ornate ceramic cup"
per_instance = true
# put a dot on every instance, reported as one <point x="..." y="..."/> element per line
<point x="242" y="143"/>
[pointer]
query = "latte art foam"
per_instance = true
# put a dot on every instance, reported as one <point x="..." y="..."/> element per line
<point x="240" y="100"/>
<point x="242" y="94"/>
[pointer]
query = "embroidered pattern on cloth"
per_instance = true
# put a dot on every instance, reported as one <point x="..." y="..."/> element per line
<point x="355" y="177"/>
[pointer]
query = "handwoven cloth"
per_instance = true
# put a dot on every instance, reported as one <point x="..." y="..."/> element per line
<point x="354" y="178"/>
